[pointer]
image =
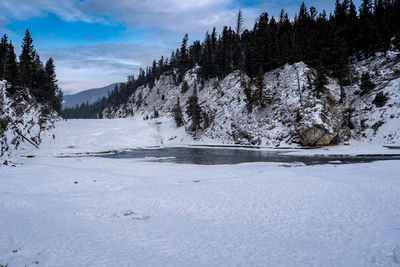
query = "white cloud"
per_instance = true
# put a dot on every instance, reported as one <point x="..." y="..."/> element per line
<point x="165" y="20"/>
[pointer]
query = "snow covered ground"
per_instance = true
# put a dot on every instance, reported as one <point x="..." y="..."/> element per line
<point x="87" y="211"/>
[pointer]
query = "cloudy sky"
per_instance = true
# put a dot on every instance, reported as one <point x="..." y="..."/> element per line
<point x="98" y="42"/>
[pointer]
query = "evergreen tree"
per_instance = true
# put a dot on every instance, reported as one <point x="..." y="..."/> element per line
<point x="3" y="55"/>
<point x="249" y="96"/>
<point x="38" y="79"/>
<point x="193" y="111"/>
<point x="259" y="96"/>
<point x="320" y="82"/>
<point x="184" y="57"/>
<point x="11" y="68"/>
<point x="185" y="87"/>
<point x="26" y="60"/>
<point x="366" y="84"/>
<point x="177" y="112"/>
<point x="51" y="90"/>
<point x="368" y="35"/>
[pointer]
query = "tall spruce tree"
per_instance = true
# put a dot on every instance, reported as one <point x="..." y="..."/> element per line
<point x="11" y="68"/>
<point x="177" y="112"/>
<point x="3" y="55"/>
<point x="38" y="79"/>
<point x="320" y="82"/>
<point x="52" y="91"/>
<point x="193" y="111"/>
<point x="260" y="95"/>
<point x="26" y="60"/>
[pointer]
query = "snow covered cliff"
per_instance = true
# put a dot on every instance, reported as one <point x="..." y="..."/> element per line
<point x="294" y="115"/>
<point x="22" y="120"/>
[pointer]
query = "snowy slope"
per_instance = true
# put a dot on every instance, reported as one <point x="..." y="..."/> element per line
<point x="295" y="116"/>
<point x="378" y="124"/>
<point x="21" y="117"/>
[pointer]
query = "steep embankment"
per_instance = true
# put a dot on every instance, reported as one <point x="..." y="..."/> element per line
<point x="22" y="119"/>
<point x="294" y="115"/>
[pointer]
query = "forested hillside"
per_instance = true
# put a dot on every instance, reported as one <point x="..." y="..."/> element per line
<point x="326" y="42"/>
<point x="30" y="99"/>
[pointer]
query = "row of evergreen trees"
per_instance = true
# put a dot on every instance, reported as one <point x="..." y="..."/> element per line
<point x="327" y="43"/>
<point x="29" y="72"/>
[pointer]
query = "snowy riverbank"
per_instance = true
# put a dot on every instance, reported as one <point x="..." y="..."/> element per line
<point x="81" y="136"/>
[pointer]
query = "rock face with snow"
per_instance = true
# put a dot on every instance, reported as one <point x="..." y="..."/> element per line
<point x="22" y="119"/>
<point x="293" y="115"/>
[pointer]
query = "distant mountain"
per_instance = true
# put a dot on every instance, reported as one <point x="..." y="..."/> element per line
<point x="90" y="95"/>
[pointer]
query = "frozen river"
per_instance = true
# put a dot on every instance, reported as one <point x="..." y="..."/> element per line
<point x="217" y="156"/>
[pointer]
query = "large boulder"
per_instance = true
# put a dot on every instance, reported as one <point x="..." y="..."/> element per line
<point x="316" y="135"/>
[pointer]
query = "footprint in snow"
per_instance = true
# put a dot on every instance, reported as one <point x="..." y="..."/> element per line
<point x="130" y="214"/>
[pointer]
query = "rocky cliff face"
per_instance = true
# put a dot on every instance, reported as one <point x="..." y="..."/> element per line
<point x="22" y="120"/>
<point x="292" y="113"/>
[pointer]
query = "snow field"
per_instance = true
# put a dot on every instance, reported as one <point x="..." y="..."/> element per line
<point x="127" y="212"/>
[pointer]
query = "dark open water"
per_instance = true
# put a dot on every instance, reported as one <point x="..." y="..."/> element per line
<point x="216" y="156"/>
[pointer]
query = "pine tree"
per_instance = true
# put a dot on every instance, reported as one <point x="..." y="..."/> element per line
<point x="193" y="111"/>
<point x="11" y="68"/>
<point x="38" y="78"/>
<point x="26" y="60"/>
<point x="3" y="55"/>
<point x="381" y="24"/>
<point x="260" y="98"/>
<point x="249" y="96"/>
<point x="177" y="112"/>
<point x="366" y="84"/>
<point x="368" y="36"/>
<point x="184" y="57"/>
<point x="320" y="82"/>
<point x="53" y="93"/>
